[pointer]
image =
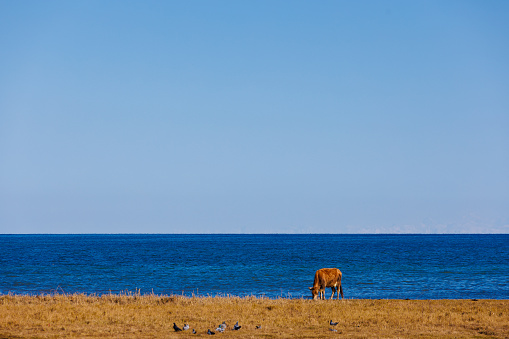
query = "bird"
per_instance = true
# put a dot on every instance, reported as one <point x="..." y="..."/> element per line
<point x="223" y="325"/>
<point x="220" y="329"/>
<point x="258" y="327"/>
<point x="194" y="332"/>
<point x="236" y="327"/>
<point x="186" y="327"/>
<point x="332" y="323"/>
<point x="176" y="328"/>
<point x="333" y="329"/>
<point x="209" y="332"/>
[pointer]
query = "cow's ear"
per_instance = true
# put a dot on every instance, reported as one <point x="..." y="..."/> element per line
<point x="311" y="288"/>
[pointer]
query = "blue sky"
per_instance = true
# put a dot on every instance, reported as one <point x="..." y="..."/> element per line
<point x="254" y="117"/>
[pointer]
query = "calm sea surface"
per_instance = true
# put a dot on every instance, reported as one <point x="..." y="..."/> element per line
<point x="373" y="266"/>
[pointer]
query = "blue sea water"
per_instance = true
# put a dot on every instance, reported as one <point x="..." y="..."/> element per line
<point x="373" y="266"/>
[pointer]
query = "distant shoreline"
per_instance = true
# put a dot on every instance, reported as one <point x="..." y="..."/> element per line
<point x="251" y="234"/>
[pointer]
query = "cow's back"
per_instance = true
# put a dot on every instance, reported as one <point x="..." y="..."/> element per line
<point x="327" y="277"/>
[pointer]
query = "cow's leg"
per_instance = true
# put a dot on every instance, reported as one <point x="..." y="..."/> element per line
<point x="333" y="288"/>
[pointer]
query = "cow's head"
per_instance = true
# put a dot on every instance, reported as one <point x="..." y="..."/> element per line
<point x="314" y="292"/>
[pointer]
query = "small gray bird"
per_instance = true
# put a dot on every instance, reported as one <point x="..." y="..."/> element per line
<point x="176" y="328"/>
<point x="186" y="327"/>
<point x="220" y="329"/>
<point x="258" y="327"/>
<point x="333" y="330"/>
<point x="332" y="323"/>
<point x="223" y="325"/>
<point x="209" y="332"/>
<point x="236" y="327"/>
<point x="194" y="332"/>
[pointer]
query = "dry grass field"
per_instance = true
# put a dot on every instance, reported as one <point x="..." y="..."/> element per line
<point x="152" y="316"/>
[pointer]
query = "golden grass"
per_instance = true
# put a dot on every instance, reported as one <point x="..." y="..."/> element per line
<point x="152" y="316"/>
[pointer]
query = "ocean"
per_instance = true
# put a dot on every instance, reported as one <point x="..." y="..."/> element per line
<point x="269" y="265"/>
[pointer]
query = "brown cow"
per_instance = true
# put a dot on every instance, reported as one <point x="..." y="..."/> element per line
<point x="327" y="277"/>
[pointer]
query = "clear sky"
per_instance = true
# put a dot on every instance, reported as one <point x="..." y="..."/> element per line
<point x="254" y="116"/>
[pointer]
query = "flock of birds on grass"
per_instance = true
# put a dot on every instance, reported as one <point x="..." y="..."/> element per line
<point x="222" y="327"/>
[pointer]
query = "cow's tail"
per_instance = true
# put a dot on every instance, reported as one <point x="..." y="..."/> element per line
<point x="341" y="291"/>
